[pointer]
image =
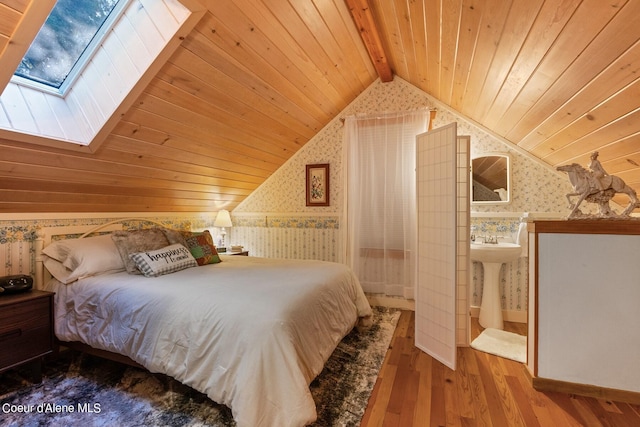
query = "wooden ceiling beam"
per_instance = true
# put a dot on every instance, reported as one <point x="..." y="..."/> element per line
<point x="365" y="22"/>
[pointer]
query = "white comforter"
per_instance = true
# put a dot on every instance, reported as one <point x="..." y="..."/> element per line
<point x="251" y="333"/>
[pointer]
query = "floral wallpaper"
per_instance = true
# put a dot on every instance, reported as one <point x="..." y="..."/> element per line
<point x="18" y="233"/>
<point x="27" y="229"/>
<point x="536" y="187"/>
<point x="285" y="221"/>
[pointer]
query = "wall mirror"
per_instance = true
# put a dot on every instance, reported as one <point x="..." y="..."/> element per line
<point x="491" y="178"/>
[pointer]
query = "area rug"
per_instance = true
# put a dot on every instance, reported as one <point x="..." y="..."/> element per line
<point x="105" y="393"/>
<point x="502" y="343"/>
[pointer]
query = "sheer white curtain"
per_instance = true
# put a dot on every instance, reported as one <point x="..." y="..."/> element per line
<point x="380" y="199"/>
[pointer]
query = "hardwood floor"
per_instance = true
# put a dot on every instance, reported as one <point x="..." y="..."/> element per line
<point x="413" y="389"/>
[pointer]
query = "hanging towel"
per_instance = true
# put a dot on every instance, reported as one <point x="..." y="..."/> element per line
<point x="522" y="238"/>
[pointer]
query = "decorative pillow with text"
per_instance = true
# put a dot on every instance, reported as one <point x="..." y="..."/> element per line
<point x="167" y="260"/>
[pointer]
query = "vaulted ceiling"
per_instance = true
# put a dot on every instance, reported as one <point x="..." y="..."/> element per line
<point x="256" y="79"/>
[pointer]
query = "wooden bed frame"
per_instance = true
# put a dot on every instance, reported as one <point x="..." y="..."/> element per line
<point x="45" y="237"/>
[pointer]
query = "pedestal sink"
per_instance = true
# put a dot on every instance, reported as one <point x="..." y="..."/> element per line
<point x="492" y="256"/>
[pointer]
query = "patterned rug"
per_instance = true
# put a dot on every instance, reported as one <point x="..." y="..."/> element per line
<point x="105" y="393"/>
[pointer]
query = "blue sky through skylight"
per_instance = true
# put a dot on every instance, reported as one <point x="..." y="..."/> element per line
<point x="66" y="35"/>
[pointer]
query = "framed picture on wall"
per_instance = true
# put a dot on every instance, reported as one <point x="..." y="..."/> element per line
<point x="318" y="185"/>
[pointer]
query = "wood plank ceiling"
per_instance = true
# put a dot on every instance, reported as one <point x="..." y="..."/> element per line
<point x="256" y="79"/>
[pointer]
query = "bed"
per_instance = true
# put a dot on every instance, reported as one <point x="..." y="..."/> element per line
<point x="250" y="333"/>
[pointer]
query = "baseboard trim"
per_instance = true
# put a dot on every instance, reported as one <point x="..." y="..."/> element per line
<point x="399" y="303"/>
<point x="517" y="316"/>
<point x="588" y="390"/>
<point x="409" y="304"/>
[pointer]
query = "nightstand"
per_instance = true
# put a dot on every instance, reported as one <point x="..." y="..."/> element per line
<point x="26" y="330"/>
<point x="241" y="253"/>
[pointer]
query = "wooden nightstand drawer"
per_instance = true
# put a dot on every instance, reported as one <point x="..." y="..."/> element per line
<point x="26" y="328"/>
<point x="25" y="314"/>
<point x="24" y="345"/>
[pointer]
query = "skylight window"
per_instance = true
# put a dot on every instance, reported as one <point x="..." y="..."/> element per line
<point x="66" y="41"/>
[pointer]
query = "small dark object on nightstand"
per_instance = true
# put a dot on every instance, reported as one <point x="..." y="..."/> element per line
<point x="15" y="284"/>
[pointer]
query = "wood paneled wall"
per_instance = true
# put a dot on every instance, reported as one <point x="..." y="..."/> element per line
<point x="256" y="80"/>
<point x="557" y="78"/>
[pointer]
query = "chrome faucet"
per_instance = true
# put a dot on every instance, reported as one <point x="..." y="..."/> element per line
<point x="483" y="239"/>
<point x="491" y="240"/>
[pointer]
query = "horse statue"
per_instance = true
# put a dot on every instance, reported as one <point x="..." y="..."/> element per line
<point x="596" y="188"/>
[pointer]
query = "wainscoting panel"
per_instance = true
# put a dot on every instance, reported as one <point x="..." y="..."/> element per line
<point x="289" y="242"/>
<point x="16" y="258"/>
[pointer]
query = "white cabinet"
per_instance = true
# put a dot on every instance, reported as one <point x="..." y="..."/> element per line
<point x="584" y="306"/>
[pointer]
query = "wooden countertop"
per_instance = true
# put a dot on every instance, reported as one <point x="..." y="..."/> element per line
<point x="586" y="226"/>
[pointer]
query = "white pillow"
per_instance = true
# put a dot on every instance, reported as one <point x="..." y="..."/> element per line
<point x="56" y="269"/>
<point x="66" y="276"/>
<point x="167" y="260"/>
<point x="86" y="257"/>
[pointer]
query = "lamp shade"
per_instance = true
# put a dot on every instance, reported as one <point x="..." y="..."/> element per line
<point x="223" y="219"/>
